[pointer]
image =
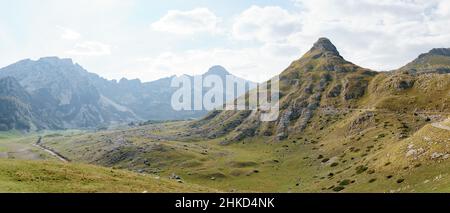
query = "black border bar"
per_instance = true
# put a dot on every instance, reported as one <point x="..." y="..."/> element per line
<point x="153" y="202"/>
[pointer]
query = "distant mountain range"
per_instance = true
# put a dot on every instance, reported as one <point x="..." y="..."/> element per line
<point x="54" y="93"/>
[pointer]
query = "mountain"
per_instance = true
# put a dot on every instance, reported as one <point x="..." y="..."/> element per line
<point x="62" y="95"/>
<point x="322" y="83"/>
<point x="437" y="61"/>
<point x="152" y="100"/>
<point x="321" y="79"/>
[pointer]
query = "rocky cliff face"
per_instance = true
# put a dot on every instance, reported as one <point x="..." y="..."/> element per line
<point x="15" y="108"/>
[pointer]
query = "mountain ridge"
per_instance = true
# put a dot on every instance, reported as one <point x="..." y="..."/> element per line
<point x="65" y="95"/>
<point x="321" y="80"/>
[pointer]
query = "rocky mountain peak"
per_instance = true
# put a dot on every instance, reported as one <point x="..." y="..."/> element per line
<point x="324" y="45"/>
<point x="56" y="60"/>
<point x="129" y="81"/>
<point x="217" y="70"/>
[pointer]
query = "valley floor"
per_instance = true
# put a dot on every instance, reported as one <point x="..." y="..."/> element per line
<point x="27" y="167"/>
<point x="375" y="160"/>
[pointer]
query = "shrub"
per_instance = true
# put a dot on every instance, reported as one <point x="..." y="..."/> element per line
<point x="361" y="169"/>
<point x="345" y="182"/>
<point x="338" y="188"/>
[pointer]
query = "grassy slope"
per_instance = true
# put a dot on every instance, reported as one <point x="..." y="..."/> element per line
<point x="293" y="165"/>
<point x="16" y="145"/>
<point x="31" y="174"/>
<point x="51" y="176"/>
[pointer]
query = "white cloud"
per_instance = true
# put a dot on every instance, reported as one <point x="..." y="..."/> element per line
<point x="69" y="34"/>
<point x="259" y="40"/>
<point x="188" y="22"/>
<point x="265" y="24"/>
<point x="379" y="34"/>
<point x="282" y="50"/>
<point x="90" y="48"/>
<point x="443" y="8"/>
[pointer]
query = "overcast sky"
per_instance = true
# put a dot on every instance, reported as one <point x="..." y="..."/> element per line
<point x="254" y="39"/>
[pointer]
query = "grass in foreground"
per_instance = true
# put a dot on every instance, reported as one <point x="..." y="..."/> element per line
<point x="54" y="177"/>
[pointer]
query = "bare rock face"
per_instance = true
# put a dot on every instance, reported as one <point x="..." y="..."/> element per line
<point x="325" y="46"/>
<point x="15" y="109"/>
<point x="283" y="124"/>
<point x="355" y="88"/>
<point x="440" y="51"/>
<point x="335" y="91"/>
<point x="403" y="84"/>
<point x="248" y="131"/>
<point x="361" y="122"/>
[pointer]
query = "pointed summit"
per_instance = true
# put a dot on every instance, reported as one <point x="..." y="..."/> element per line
<point x="323" y="56"/>
<point x="217" y="70"/>
<point x="324" y="45"/>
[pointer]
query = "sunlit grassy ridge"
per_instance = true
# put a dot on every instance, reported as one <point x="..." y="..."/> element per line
<point x="51" y="176"/>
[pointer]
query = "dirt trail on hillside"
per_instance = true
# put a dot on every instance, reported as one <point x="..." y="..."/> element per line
<point x="51" y="152"/>
<point x="441" y="126"/>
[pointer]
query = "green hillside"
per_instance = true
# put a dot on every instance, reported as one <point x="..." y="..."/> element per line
<point x="51" y="176"/>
